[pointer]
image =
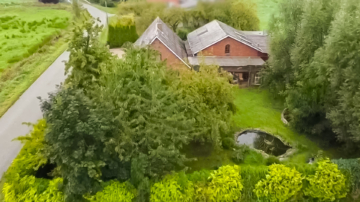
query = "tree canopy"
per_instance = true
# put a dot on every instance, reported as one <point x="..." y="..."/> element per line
<point x="313" y="65"/>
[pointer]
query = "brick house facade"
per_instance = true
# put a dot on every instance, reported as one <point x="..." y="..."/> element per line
<point x="241" y="53"/>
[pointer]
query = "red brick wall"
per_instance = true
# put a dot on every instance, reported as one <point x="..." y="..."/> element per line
<point x="171" y="59"/>
<point x="236" y="49"/>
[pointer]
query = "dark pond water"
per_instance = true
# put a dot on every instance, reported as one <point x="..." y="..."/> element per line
<point x="263" y="141"/>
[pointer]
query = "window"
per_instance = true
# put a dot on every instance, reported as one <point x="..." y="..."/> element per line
<point x="227" y="49"/>
<point x="257" y="78"/>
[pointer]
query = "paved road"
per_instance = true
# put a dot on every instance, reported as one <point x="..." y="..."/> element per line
<point x="27" y="108"/>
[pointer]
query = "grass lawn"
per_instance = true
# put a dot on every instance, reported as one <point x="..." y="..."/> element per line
<point x="256" y="109"/>
<point x="32" y="37"/>
<point x="265" y="8"/>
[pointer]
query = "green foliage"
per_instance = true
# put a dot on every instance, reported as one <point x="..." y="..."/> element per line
<point x="120" y="30"/>
<point x="239" y="154"/>
<point x="137" y="93"/>
<point x="239" y="14"/>
<point x="114" y="192"/>
<point x="280" y="184"/>
<point x="351" y="167"/>
<point x="208" y="97"/>
<point x="225" y="184"/>
<point x="21" y="184"/>
<point x="31" y="189"/>
<point x="313" y="66"/>
<point x="174" y="187"/>
<point x="87" y="55"/>
<point x="228" y="143"/>
<point x="77" y="142"/>
<point x="328" y="183"/>
<point x="30" y="157"/>
<point x="250" y="176"/>
<point x="272" y="160"/>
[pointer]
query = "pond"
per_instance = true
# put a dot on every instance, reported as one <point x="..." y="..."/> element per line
<point x="262" y="141"/>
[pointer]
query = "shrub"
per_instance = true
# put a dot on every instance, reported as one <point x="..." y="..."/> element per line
<point x="30" y="157"/>
<point x="238" y="156"/>
<point x="351" y="167"/>
<point x="250" y="176"/>
<point x="30" y="188"/>
<point x="121" y="29"/>
<point x="280" y="184"/>
<point x="176" y="188"/>
<point x="228" y="143"/>
<point x="272" y="160"/>
<point x="21" y="184"/>
<point x="328" y="183"/>
<point x="114" y="192"/>
<point x="225" y="184"/>
<point x="108" y="3"/>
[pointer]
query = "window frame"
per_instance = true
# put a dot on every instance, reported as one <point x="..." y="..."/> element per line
<point x="227" y="49"/>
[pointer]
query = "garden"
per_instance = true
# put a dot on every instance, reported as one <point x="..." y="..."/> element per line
<point x="132" y="129"/>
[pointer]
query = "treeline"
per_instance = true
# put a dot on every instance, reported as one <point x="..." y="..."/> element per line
<point x="315" y="66"/>
<point x="238" y="14"/>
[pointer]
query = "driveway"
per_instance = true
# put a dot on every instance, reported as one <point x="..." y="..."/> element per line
<point x="27" y="108"/>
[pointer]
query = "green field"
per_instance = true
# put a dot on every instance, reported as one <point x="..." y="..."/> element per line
<point x="32" y="36"/>
<point x="23" y="29"/>
<point x="265" y="9"/>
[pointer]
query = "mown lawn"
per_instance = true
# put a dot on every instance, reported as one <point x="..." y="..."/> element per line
<point x="256" y="109"/>
<point x="32" y="36"/>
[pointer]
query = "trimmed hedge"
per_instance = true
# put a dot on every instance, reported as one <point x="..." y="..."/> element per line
<point x="120" y="30"/>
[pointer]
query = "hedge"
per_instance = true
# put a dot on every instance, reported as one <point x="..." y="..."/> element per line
<point x="120" y="30"/>
<point x="324" y="180"/>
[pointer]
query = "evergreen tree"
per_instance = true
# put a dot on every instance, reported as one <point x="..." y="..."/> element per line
<point x="87" y="55"/>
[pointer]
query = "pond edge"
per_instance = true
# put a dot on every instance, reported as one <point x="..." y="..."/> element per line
<point x="282" y="157"/>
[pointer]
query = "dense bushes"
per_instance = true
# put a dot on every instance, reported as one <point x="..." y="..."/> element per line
<point x="328" y="183"/>
<point x="313" y="65"/>
<point x="238" y="14"/>
<point x="21" y="183"/>
<point x="280" y="184"/>
<point x="225" y="184"/>
<point x="120" y="30"/>
<point x="114" y="192"/>
<point x="175" y="188"/>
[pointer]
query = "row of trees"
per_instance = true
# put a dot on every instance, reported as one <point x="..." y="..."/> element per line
<point x="128" y="119"/>
<point x="314" y="65"/>
<point x="238" y="14"/>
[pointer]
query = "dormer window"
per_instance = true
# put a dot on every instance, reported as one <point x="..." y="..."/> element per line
<point x="227" y="49"/>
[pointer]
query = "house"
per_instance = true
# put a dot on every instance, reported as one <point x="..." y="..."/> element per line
<point x="242" y="53"/>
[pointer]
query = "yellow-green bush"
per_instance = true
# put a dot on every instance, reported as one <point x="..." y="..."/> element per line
<point x="121" y="29"/>
<point x="225" y="184"/>
<point x="280" y="184"/>
<point x="328" y="183"/>
<point x="21" y="184"/>
<point x="115" y="192"/>
<point x="174" y="188"/>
